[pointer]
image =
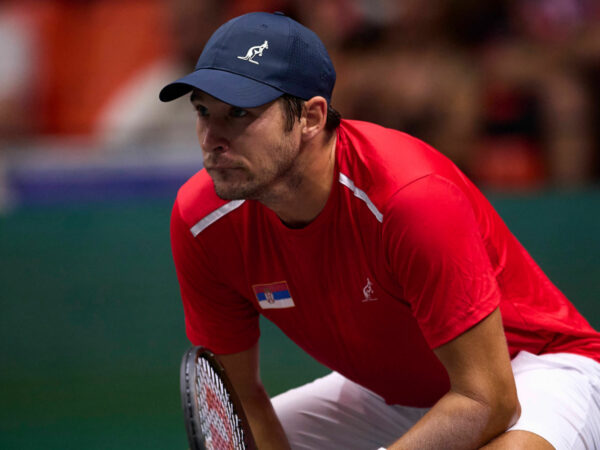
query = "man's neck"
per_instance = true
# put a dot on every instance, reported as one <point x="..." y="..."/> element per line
<point x="307" y="189"/>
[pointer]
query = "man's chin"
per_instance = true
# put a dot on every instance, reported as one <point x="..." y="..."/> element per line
<point x="228" y="196"/>
<point x="233" y="192"/>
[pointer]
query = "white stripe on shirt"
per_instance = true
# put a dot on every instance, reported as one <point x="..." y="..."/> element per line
<point x="361" y="195"/>
<point x="215" y="215"/>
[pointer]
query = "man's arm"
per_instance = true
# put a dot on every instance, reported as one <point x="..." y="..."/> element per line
<point x="482" y="402"/>
<point x="243" y="371"/>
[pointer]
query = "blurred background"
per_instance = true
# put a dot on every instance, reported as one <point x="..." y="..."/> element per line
<point x="91" y="325"/>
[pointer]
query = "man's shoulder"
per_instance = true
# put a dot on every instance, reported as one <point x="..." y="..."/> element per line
<point x="198" y="204"/>
<point x="381" y="161"/>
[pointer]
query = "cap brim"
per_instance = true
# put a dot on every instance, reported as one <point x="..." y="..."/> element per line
<point x="226" y="86"/>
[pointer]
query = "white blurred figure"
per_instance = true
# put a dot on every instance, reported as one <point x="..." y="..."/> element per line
<point x="134" y="115"/>
<point x="17" y="56"/>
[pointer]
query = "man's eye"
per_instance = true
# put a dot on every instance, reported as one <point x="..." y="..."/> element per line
<point x="238" y="112"/>
<point x="202" y="111"/>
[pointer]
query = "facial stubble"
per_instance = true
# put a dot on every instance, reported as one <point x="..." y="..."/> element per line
<point x="281" y="172"/>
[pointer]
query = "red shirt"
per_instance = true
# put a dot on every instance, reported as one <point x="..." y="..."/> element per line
<point x="406" y="255"/>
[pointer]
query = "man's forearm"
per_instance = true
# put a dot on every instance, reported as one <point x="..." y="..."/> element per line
<point x="266" y="428"/>
<point x="457" y="422"/>
<point x="243" y="372"/>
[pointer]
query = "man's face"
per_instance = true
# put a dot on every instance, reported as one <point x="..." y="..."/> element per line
<point x="246" y="152"/>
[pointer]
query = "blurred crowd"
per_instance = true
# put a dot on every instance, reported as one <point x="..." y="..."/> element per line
<point x="508" y="89"/>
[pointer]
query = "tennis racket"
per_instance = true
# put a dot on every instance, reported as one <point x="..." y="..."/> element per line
<point x="213" y="414"/>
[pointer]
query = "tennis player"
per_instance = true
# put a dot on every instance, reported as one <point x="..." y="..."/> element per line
<point x="373" y="253"/>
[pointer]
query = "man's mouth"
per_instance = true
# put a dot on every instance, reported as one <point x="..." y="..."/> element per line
<point x="222" y="167"/>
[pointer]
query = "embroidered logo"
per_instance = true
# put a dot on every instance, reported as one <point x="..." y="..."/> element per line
<point x="368" y="292"/>
<point x="252" y="52"/>
<point x="273" y="295"/>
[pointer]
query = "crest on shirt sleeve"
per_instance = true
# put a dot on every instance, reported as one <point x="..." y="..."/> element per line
<point x="273" y="295"/>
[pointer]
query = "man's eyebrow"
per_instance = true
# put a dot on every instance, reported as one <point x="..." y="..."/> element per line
<point x="195" y="97"/>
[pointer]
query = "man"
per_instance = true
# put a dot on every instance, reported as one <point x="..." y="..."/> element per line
<point x="377" y="256"/>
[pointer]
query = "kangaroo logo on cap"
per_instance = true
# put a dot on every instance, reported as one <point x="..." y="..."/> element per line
<point x="257" y="50"/>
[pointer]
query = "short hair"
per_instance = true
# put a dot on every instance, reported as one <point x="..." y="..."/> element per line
<point x="292" y="107"/>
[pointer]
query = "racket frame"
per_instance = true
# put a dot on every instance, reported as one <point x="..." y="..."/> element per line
<point x="191" y="413"/>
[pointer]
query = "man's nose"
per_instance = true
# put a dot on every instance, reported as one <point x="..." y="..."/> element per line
<point x="212" y="136"/>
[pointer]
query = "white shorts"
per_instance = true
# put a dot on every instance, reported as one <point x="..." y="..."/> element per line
<point x="559" y="396"/>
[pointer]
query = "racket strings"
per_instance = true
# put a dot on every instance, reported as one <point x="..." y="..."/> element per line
<point x="219" y="423"/>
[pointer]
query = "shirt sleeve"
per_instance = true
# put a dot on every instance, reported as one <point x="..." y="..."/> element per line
<point x="216" y="316"/>
<point x="438" y="256"/>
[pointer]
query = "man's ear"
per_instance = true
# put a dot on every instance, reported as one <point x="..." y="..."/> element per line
<point x="315" y="117"/>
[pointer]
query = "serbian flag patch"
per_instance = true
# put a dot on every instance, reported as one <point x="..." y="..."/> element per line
<point x="273" y="295"/>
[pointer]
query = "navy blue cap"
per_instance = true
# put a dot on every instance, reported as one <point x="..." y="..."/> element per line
<point x="255" y="58"/>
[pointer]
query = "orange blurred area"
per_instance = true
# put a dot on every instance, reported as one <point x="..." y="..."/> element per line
<point x="83" y="52"/>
